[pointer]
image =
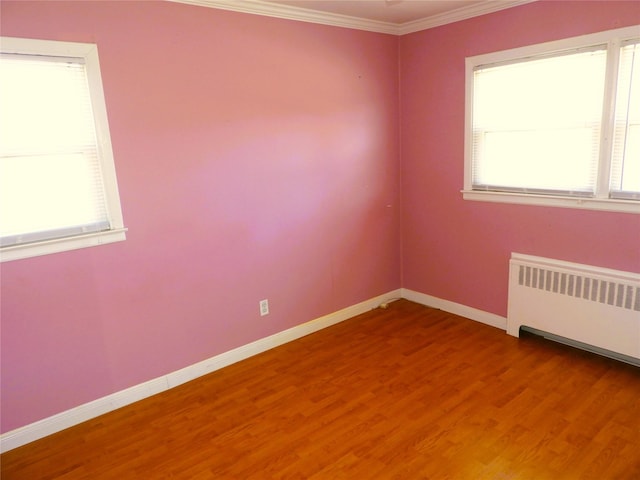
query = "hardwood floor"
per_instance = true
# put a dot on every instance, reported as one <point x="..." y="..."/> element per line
<point x="403" y="393"/>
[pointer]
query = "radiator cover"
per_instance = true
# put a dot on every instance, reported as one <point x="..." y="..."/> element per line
<point x="591" y="305"/>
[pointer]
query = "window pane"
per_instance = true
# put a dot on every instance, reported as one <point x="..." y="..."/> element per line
<point x="45" y="105"/>
<point x="536" y="124"/>
<point x="50" y="177"/>
<point x="40" y="195"/>
<point x="625" y="168"/>
<point x="552" y="160"/>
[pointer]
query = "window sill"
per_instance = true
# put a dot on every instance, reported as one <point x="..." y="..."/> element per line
<point x="17" y="252"/>
<point x="604" y="204"/>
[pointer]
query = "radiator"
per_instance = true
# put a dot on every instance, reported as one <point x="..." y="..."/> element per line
<point x="592" y="307"/>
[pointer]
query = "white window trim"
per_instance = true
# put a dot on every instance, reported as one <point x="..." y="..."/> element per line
<point x="601" y="201"/>
<point x="117" y="232"/>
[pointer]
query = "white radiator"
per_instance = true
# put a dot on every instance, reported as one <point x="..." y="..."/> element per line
<point x="593" y="306"/>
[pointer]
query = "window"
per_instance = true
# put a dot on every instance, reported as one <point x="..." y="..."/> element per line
<point x="556" y="124"/>
<point x="58" y="188"/>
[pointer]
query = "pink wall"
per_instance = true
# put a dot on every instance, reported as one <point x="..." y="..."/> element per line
<point x="256" y="157"/>
<point x="459" y="250"/>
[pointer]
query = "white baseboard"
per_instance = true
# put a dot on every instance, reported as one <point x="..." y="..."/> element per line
<point x="42" y="428"/>
<point x="456" y="308"/>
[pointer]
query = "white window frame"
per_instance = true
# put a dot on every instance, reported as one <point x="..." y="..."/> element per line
<point x="601" y="200"/>
<point x="117" y="231"/>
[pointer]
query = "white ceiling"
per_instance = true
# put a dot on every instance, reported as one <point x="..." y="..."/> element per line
<point x="396" y="17"/>
<point x="391" y="11"/>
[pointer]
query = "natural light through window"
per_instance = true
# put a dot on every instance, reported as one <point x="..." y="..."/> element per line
<point x="625" y="175"/>
<point x="57" y="181"/>
<point x="540" y="124"/>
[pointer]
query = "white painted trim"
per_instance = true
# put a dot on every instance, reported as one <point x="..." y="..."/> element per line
<point x="456" y="308"/>
<point x="259" y="7"/>
<point x="82" y="413"/>
<point x="42" y="428"/>
<point x="602" y="204"/>
<point x="220" y="361"/>
<point x="288" y="12"/>
<point x="117" y="230"/>
<point x="45" y="247"/>
<point x="459" y="14"/>
<point x="553" y="46"/>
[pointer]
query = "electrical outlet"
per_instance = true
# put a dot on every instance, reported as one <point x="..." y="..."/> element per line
<point x="264" y="307"/>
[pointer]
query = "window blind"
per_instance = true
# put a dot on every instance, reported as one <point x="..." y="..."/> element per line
<point x="625" y="160"/>
<point x="50" y="178"/>
<point x="536" y="123"/>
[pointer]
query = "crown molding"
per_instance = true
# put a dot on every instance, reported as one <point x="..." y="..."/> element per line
<point x="259" y="7"/>
<point x="276" y="10"/>
<point x="458" y="14"/>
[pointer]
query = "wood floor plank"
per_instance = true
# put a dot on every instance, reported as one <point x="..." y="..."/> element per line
<point x="407" y="392"/>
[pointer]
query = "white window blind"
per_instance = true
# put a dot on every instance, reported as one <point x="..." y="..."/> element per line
<point x="556" y="123"/>
<point x="536" y="123"/>
<point x="51" y="183"/>
<point x="625" y="161"/>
